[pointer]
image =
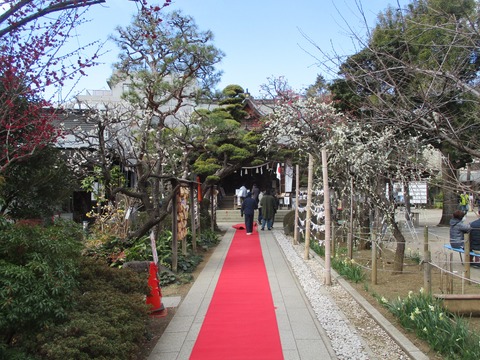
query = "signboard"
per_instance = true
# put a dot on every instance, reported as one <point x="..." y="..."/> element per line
<point x="418" y="192"/>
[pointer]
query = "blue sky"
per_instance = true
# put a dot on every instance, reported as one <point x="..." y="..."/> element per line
<point x="261" y="39"/>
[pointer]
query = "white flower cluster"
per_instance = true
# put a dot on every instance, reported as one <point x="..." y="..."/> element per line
<point x="302" y="124"/>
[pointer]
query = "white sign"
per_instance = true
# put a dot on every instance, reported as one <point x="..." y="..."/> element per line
<point x="417" y="190"/>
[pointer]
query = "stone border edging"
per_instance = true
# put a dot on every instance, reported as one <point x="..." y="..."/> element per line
<point x="402" y="341"/>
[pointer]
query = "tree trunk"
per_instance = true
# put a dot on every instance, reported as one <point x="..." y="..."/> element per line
<point x="364" y="221"/>
<point x="450" y="199"/>
<point x="406" y="199"/>
<point x="400" y="251"/>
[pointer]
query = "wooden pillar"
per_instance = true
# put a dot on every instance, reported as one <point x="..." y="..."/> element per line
<point x="350" y="225"/>
<point x="308" y="219"/>
<point x="297" y="204"/>
<point x="427" y="269"/>
<point x="466" y="246"/>
<point x="174" y="233"/>
<point x="326" y="199"/>
<point x="374" y="257"/>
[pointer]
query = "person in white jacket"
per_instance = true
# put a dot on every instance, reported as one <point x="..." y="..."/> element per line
<point x="241" y="194"/>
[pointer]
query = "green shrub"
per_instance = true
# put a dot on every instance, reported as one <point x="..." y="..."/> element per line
<point x="167" y="278"/>
<point x="208" y="239"/>
<point x="57" y="304"/>
<point x="38" y="276"/>
<point x="188" y="263"/>
<point x="438" y="201"/>
<point x="115" y="252"/>
<point x="289" y="222"/>
<point x="108" y="320"/>
<point x="37" y="186"/>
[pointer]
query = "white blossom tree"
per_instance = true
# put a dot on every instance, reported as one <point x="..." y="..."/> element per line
<point x="373" y="159"/>
<point x="417" y="70"/>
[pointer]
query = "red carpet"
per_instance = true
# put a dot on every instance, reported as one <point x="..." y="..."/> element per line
<point x="240" y="322"/>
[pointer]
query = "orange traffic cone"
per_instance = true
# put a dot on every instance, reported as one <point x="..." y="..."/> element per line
<point x="155" y="297"/>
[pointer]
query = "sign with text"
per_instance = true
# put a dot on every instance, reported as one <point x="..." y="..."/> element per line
<point x="418" y="191"/>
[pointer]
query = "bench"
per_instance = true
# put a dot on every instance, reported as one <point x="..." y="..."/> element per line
<point x="461" y="304"/>
<point x="460" y="251"/>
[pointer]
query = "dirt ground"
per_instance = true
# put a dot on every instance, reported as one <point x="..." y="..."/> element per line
<point x="388" y="285"/>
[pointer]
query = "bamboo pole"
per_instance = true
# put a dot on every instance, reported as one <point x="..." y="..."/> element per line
<point x="450" y="274"/>
<point x="350" y="225"/>
<point x="427" y="269"/>
<point x="466" y="246"/>
<point x="332" y="238"/>
<point x="374" y="258"/>
<point x="174" y="234"/>
<point x="297" y="203"/>
<point x="326" y="201"/>
<point x="309" y="207"/>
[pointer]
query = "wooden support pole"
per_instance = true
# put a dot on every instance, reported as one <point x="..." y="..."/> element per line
<point x="427" y="269"/>
<point x="174" y="234"/>
<point x="450" y="274"/>
<point x="326" y="199"/>
<point x="297" y="204"/>
<point x="374" y="258"/>
<point x="332" y="238"/>
<point x="308" y="219"/>
<point x="350" y="225"/>
<point x="466" y="246"/>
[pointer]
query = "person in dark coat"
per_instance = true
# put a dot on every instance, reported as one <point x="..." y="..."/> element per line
<point x="255" y="192"/>
<point x="475" y="239"/>
<point x="248" y="209"/>
<point x="269" y="208"/>
<point x="475" y="234"/>
<point x="457" y="229"/>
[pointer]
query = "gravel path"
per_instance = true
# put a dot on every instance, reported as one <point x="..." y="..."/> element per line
<point x="354" y="334"/>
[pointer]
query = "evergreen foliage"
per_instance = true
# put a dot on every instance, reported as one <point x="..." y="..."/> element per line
<point x="57" y="304"/>
<point x="38" y="277"/>
<point x="36" y="187"/>
<point x="108" y="319"/>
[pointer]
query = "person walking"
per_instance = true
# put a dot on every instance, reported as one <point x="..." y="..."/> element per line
<point x="269" y="208"/>
<point x="248" y="209"/>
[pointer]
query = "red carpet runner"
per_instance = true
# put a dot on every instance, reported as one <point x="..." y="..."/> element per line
<point x="240" y="322"/>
